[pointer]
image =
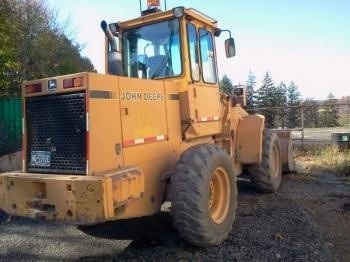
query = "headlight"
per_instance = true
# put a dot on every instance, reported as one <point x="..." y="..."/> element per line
<point x="178" y="11"/>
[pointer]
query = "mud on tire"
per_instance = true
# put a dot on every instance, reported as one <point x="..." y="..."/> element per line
<point x="204" y="195"/>
<point x="267" y="176"/>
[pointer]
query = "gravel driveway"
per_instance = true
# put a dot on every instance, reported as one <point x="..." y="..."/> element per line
<point x="269" y="227"/>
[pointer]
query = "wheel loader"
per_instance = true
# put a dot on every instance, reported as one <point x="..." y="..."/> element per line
<point x="154" y="128"/>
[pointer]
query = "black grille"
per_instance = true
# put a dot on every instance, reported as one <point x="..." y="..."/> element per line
<point x="56" y="130"/>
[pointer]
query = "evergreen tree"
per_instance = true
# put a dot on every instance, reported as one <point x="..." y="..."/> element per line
<point x="293" y="100"/>
<point x="329" y="115"/>
<point x="225" y="85"/>
<point x="251" y="93"/>
<point x="310" y="113"/>
<point x="265" y="100"/>
<point x="280" y="101"/>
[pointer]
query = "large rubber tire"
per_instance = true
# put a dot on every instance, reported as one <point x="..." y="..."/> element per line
<point x="267" y="176"/>
<point x="290" y="166"/>
<point x="204" y="195"/>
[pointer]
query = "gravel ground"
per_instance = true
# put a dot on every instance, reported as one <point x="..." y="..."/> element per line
<point x="307" y="220"/>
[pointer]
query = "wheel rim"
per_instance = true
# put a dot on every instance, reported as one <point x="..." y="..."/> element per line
<point x="275" y="162"/>
<point x="219" y="195"/>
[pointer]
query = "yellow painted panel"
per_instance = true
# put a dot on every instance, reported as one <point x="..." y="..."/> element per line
<point x="173" y="110"/>
<point x="143" y="104"/>
<point x="104" y="124"/>
<point x="249" y="139"/>
<point x="154" y="189"/>
<point x="207" y="101"/>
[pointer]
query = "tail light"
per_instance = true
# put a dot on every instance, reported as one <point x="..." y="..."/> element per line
<point x="73" y="82"/>
<point x="33" y="88"/>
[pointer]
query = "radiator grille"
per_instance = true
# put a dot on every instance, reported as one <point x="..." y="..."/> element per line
<point x="56" y="129"/>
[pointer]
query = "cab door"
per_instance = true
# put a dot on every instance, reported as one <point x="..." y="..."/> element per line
<point x="207" y="92"/>
<point x="203" y="92"/>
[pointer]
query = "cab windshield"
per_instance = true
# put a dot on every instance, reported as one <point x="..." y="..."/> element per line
<point x="152" y="51"/>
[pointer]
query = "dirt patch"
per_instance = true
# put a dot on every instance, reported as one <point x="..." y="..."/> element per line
<point x="325" y="197"/>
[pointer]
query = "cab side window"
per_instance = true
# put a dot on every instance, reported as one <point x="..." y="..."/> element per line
<point x="193" y="54"/>
<point x="207" y="56"/>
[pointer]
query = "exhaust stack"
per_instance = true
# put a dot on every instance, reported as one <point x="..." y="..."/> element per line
<point x="114" y="58"/>
<point x="109" y="36"/>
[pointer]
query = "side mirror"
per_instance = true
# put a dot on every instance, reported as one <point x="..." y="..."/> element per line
<point x="230" y="47"/>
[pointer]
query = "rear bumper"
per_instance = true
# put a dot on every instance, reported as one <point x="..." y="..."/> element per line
<point x="73" y="199"/>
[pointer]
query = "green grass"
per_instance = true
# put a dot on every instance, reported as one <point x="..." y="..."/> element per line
<point x="325" y="158"/>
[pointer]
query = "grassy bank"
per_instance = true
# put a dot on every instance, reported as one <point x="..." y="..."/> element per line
<point x="326" y="158"/>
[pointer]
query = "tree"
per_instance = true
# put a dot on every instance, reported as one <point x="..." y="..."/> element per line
<point x="280" y="100"/>
<point x="226" y="85"/>
<point x="293" y="100"/>
<point x="8" y="63"/>
<point x="329" y="115"/>
<point x="251" y="93"/>
<point x="265" y="100"/>
<point x="270" y="99"/>
<point x="344" y="111"/>
<point x="33" y="46"/>
<point x="310" y="112"/>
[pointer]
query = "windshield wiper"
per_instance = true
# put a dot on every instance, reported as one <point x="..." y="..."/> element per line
<point x="161" y="66"/>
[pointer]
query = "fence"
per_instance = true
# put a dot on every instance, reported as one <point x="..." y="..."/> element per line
<point x="319" y="136"/>
<point x="10" y="125"/>
<point x="311" y="124"/>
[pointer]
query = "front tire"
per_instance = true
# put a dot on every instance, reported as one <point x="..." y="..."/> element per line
<point x="204" y="196"/>
<point x="289" y="166"/>
<point x="267" y="176"/>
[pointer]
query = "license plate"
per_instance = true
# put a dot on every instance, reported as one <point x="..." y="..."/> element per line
<point x="40" y="158"/>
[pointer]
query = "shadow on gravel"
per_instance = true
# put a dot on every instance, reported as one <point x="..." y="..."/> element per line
<point x="143" y="229"/>
<point x="146" y="231"/>
<point x="346" y="207"/>
<point x="268" y="227"/>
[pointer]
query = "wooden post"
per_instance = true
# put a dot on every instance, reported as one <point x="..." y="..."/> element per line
<point x="302" y="123"/>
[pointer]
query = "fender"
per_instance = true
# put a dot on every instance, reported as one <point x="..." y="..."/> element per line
<point x="249" y="139"/>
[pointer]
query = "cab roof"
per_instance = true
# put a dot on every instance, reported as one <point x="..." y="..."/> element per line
<point x="190" y="13"/>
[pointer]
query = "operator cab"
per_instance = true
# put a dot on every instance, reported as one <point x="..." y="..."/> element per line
<point x="157" y="44"/>
<point x="152" y="51"/>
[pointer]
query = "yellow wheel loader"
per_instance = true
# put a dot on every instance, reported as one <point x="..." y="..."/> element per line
<point x="154" y="128"/>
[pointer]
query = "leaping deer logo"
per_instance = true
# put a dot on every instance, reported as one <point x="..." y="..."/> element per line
<point x="52" y="85"/>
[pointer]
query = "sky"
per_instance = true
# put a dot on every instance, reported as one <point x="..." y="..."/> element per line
<point x="305" y="41"/>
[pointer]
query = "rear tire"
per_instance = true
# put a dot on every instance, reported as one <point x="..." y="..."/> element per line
<point x="267" y="176"/>
<point x="204" y="195"/>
